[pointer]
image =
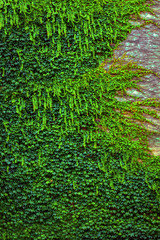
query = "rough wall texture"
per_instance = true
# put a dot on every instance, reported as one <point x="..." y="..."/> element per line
<point x="142" y="47"/>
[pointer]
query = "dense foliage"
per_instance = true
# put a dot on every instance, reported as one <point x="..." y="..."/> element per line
<point x="61" y="176"/>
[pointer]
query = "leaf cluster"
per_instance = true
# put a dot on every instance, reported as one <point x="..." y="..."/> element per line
<point x="61" y="176"/>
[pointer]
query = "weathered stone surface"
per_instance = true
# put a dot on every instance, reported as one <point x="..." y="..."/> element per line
<point x="142" y="47"/>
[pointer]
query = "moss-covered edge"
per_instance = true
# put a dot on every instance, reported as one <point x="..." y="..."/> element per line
<point x="149" y="163"/>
